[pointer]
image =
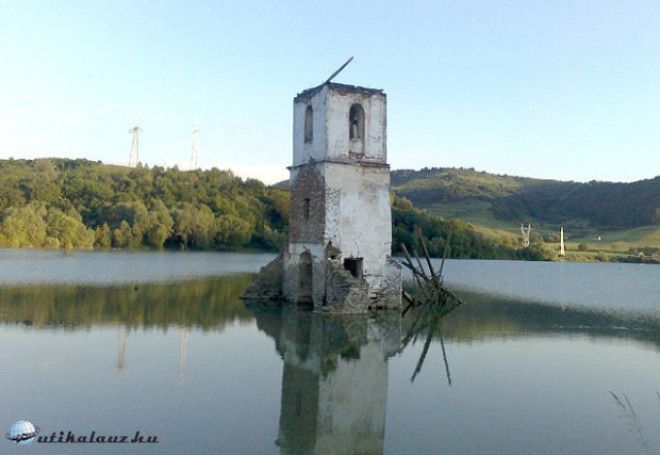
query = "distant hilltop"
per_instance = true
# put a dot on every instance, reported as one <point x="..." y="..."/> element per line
<point x="524" y="199"/>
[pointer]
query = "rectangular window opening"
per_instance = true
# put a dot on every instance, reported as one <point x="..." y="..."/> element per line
<point x="306" y="209"/>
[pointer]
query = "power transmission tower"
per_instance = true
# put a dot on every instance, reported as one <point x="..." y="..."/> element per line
<point x="194" y="154"/>
<point x="134" y="157"/>
<point x="525" y="234"/>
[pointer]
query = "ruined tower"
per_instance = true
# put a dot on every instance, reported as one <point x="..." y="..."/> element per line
<point x="340" y="230"/>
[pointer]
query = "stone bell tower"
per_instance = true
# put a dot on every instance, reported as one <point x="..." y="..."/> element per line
<point x="340" y="227"/>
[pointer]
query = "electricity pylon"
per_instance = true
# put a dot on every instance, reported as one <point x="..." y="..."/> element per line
<point x="194" y="154"/>
<point x="525" y="234"/>
<point x="134" y="157"/>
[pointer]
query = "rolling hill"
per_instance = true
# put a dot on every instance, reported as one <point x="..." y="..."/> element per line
<point x="502" y="199"/>
<point x="627" y="212"/>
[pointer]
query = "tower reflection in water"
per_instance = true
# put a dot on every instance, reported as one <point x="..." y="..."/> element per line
<point x="334" y="383"/>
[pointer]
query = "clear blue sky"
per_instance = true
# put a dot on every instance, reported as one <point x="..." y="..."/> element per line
<point x="565" y="90"/>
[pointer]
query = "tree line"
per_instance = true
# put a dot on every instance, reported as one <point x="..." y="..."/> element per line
<point x="85" y="204"/>
<point x="62" y="203"/>
<point x="461" y="239"/>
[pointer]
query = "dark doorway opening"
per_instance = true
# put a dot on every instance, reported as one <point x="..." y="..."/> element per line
<point x="354" y="265"/>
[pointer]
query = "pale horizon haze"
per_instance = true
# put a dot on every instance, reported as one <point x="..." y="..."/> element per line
<point x="563" y="90"/>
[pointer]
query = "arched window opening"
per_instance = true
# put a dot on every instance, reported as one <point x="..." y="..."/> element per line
<point x="309" y="125"/>
<point x="356" y="122"/>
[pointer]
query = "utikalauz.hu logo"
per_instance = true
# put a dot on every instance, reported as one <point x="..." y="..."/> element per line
<point x="24" y="432"/>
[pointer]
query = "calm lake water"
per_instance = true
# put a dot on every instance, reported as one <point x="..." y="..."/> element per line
<point x="541" y="358"/>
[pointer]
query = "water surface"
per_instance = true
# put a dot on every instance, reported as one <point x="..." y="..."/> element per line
<point x="164" y="345"/>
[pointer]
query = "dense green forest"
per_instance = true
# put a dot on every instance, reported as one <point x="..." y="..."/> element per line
<point x="83" y="204"/>
<point x="521" y="199"/>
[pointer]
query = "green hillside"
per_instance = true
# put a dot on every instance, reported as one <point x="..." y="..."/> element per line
<point x="623" y="215"/>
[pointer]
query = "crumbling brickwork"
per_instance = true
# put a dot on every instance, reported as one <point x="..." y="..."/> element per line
<point x="307" y="211"/>
<point x="267" y="285"/>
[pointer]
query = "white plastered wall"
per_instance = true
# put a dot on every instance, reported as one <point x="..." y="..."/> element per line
<point x="302" y="152"/>
<point x="337" y="117"/>
<point x="358" y="215"/>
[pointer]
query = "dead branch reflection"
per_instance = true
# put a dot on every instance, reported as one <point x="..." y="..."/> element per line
<point x="426" y="321"/>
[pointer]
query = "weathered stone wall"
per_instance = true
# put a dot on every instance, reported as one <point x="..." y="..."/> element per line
<point x="307" y="224"/>
<point x="267" y="285"/>
<point x="389" y="293"/>
<point x="291" y="264"/>
<point x="344" y="293"/>
<point x="339" y="144"/>
<point x="349" y="208"/>
<point x="331" y="105"/>
<point x="302" y="152"/>
<point x="358" y="216"/>
<point x="335" y="290"/>
<point x="306" y="230"/>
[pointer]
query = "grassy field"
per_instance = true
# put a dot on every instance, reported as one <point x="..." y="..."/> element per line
<point x="614" y="239"/>
<point x="613" y="243"/>
<point x="475" y="212"/>
<point x="497" y="204"/>
<point x="593" y="252"/>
